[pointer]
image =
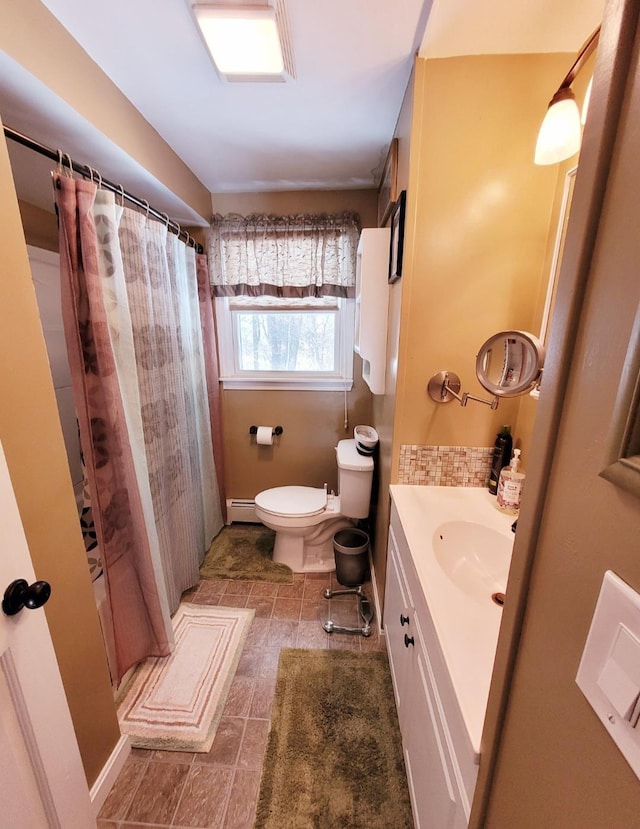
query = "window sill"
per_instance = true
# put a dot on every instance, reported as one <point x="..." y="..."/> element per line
<point x="332" y="384"/>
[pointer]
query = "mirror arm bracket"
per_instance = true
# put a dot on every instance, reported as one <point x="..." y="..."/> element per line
<point x="492" y="403"/>
<point x="445" y="385"/>
<point x="519" y="356"/>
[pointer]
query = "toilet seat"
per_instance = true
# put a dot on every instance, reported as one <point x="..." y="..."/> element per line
<point x="305" y="519"/>
<point x="292" y="501"/>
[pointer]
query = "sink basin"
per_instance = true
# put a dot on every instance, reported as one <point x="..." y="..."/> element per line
<point x="476" y="558"/>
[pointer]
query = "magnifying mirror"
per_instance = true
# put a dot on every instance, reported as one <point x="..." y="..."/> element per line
<point x="510" y="363"/>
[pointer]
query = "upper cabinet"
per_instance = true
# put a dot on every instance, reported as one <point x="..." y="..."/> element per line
<point x="372" y="301"/>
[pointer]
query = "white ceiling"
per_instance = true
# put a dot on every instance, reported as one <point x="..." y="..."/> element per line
<point x="328" y="129"/>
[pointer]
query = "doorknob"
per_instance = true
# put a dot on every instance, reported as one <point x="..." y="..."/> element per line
<point x="20" y="594"/>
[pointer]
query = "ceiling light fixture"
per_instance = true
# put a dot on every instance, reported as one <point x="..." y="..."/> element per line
<point x="560" y="133"/>
<point x="247" y="42"/>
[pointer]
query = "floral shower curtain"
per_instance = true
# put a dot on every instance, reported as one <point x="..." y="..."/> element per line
<point x="162" y="290"/>
<point x="213" y="376"/>
<point x="132" y="323"/>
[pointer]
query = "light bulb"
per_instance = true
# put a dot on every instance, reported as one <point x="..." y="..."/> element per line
<point x="559" y="137"/>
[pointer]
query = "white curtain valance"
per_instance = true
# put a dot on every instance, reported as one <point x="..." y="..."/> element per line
<point x="283" y="256"/>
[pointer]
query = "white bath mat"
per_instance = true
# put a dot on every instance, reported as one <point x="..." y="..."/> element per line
<point x="174" y="703"/>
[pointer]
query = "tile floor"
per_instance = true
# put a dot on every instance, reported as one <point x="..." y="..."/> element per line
<point x="160" y="789"/>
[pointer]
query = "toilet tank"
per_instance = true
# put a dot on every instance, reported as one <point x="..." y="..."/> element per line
<point x="355" y="475"/>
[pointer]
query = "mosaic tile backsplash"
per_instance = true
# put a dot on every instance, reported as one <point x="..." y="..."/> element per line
<point x="445" y="465"/>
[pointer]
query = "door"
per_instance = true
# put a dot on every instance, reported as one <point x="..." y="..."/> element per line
<point x="42" y="782"/>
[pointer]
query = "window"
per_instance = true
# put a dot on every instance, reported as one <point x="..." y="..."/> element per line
<point x="272" y="343"/>
<point x="284" y="289"/>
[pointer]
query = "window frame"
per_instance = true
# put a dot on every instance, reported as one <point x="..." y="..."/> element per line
<point x="232" y="377"/>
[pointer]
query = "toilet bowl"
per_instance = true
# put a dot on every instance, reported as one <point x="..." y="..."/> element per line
<point x="305" y="519"/>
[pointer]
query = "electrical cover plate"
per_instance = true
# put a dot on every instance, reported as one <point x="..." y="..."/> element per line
<point x="609" y="671"/>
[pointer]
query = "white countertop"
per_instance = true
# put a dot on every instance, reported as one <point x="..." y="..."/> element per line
<point x="467" y="629"/>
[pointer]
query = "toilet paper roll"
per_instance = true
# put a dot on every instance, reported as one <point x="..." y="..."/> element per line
<point x="264" y="436"/>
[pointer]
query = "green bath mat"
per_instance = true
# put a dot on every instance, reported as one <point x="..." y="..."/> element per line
<point x="334" y="757"/>
<point x="243" y="552"/>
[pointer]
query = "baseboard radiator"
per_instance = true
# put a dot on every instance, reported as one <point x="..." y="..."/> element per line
<point x="241" y="509"/>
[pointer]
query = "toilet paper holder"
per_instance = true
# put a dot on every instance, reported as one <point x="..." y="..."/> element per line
<point x="277" y="430"/>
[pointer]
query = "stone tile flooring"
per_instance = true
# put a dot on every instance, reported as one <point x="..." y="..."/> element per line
<point x="160" y="789"/>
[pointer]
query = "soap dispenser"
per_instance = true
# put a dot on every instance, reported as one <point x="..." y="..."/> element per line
<point x="510" y="486"/>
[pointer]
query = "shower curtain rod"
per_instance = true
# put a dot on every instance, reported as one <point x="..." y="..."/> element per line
<point x="90" y="173"/>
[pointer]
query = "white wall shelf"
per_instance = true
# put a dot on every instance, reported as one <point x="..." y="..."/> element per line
<point x="372" y="302"/>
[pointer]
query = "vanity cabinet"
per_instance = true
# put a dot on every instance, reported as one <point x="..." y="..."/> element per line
<point x="439" y="761"/>
<point x="372" y="300"/>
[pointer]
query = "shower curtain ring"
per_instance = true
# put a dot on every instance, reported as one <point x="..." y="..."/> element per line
<point x="121" y="189"/>
<point x="147" y="206"/>
<point x="94" y="176"/>
<point x="70" y="163"/>
<point x="166" y="219"/>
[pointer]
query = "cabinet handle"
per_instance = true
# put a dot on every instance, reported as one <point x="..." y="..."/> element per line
<point x="408" y="640"/>
<point x="404" y="620"/>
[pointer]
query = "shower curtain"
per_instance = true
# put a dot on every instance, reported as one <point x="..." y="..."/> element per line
<point x="134" y="336"/>
<point x="213" y="377"/>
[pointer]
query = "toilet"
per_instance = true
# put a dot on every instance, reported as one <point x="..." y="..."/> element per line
<point x="305" y="518"/>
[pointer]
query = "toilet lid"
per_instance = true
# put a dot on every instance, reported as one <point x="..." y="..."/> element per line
<point x="292" y="500"/>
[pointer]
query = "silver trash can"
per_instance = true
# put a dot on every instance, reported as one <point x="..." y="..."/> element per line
<point x="351" y="550"/>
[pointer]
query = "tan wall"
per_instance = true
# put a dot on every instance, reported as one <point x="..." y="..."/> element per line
<point x="384" y="405"/>
<point x="32" y="439"/>
<point x="476" y="238"/>
<point x="303" y="455"/>
<point x="33" y="37"/>
<point x="478" y="218"/>
<point x="313" y="422"/>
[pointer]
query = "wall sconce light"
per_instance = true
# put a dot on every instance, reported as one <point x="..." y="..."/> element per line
<point x="247" y="42"/>
<point x="560" y="133"/>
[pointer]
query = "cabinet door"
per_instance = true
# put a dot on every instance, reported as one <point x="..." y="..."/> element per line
<point x="434" y="794"/>
<point x="433" y="786"/>
<point x="396" y="612"/>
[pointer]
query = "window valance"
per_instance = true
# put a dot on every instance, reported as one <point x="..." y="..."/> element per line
<point x="283" y="256"/>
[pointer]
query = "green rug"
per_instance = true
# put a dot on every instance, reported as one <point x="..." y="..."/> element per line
<point x="334" y="757"/>
<point x="243" y="551"/>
